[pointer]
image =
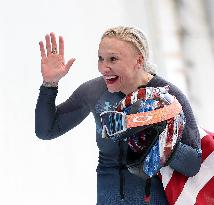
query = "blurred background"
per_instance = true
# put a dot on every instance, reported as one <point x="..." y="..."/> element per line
<point x="33" y="171"/>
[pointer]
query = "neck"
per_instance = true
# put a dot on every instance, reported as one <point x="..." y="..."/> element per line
<point x="142" y="80"/>
<point x="146" y="77"/>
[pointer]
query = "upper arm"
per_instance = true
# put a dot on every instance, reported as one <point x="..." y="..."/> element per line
<point x="72" y="112"/>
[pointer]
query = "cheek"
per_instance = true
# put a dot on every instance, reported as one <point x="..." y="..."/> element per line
<point x="127" y="75"/>
<point x="99" y="65"/>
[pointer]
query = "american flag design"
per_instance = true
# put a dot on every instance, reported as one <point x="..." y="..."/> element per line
<point x="196" y="190"/>
<point x="144" y="94"/>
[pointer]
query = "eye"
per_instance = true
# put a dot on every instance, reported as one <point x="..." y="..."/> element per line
<point x="100" y="58"/>
<point x="112" y="59"/>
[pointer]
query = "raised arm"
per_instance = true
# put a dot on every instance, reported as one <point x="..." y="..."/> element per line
<point x="50" y="120"/>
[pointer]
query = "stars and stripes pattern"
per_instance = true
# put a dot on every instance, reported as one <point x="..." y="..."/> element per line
<point x="142" y="93"/>
<point x="196" y="190"/>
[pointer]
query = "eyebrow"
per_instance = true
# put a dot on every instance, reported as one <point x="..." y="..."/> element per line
<point x="111" y="54"/>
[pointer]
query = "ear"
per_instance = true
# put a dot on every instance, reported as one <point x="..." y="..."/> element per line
<point x="140" y="61"/>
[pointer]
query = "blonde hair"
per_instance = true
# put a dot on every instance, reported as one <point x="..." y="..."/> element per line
<point x="137" y="38"/>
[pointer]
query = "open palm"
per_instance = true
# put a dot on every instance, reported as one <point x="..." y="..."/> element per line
<point x="53" y="65"/>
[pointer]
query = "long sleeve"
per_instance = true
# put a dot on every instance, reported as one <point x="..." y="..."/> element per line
<point x="52" y="121"/>
<point x="186" y="160"/>
<point x="187" y="156"/>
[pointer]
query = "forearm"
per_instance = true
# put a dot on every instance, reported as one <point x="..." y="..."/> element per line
<point x="186" y="160"/>
<point x="52" y="121"/>
<point x="45" y="113"/>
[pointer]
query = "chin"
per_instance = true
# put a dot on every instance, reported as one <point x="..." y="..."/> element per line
<point x="113" y="90"/>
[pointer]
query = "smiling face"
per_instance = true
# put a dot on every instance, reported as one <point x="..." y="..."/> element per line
<point x="120" y="64"/>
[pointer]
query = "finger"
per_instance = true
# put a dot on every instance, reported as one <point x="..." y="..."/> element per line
<point x="61" y="46"/>
<point x="42" y="50"/>
<point x="69" y="64"/>
<point x="53" y="41"/>
<point x="48" y="45"/>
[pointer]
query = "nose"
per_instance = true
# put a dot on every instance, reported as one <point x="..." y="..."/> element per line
<point x="103" y="67"/>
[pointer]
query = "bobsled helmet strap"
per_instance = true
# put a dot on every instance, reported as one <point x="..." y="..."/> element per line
<point x="154" y="116"/>
<point x="114" y="122"/>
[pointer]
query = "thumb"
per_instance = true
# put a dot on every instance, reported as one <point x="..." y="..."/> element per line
<point x="69" y="64"/>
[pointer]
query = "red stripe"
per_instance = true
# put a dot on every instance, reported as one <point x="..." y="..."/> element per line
<point x="177" y="181"/>
<point x="128" y="100"/>
<point x="207" y="146"/>
<point x="141" y="93"/>
<point x="175" y="187"/>
<point x="168" y="146"/>
<point x="206" y="194"/>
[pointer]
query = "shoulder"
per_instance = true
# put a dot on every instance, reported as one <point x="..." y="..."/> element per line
<point x="181" y="97"/>
<point x="158" y="81"/>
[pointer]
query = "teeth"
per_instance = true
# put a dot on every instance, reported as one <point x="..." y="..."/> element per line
<point x="110" y="77"/>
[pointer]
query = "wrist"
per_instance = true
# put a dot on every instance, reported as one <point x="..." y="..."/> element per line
<point x="50" y="84"/>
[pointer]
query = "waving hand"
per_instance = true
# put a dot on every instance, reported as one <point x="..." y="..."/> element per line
<point x="53" y="65"/>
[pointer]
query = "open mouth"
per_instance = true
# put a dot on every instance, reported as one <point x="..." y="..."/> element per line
<point x="111" y="79"/>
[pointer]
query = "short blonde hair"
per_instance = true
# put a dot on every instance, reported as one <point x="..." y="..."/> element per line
<point x="137" y="38"/>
